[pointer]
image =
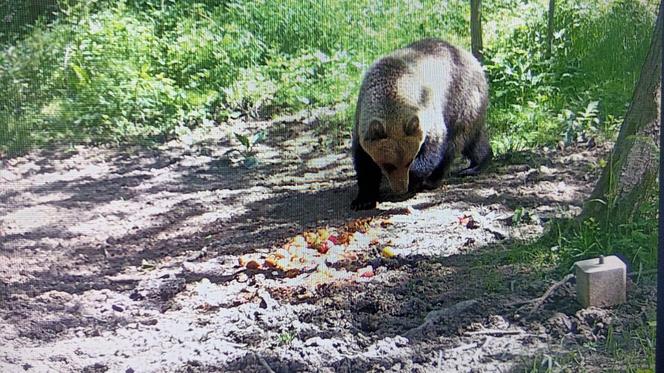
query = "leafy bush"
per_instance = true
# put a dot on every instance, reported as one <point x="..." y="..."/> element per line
<point x="581" y="90"/>
<point x="366" y="27"/>
<point x="204" y="52"/>
<point x="635" y="241"/>
<point x="20" y="16"/>
<point x="107" y="76"/>
<point x="313" y="78"/>
<point x="609" y="42"/>
<point x="138" y="69"/>
<point x="252" y="92"/>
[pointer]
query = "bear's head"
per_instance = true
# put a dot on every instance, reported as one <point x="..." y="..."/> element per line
<point x="393" y="145"/>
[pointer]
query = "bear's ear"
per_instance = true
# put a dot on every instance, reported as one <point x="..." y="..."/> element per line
<point x="375" y="130"/>
<point x="412" y="127"/>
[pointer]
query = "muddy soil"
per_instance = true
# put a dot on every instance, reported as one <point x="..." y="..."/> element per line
<point x="127" y="260"/>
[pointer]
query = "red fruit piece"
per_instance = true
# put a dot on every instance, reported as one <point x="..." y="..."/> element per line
<point x="463" y="220"/>
<point x="366" y="272"/>
<point x="252" y="264"/>
<point x="323" y="248"/>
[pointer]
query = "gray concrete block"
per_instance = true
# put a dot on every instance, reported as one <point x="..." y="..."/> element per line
<point x="601" y="282"/>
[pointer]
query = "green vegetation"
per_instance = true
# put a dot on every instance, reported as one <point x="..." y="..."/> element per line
<point x="136" y="70"/>
<point x="568" y="241"/>
<point x="248" y="152"/>
<point x="287" y="337"/>
<point x="630" y="349"/>
<point x="582" y="90"/>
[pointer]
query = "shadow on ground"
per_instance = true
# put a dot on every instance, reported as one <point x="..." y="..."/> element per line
<point x="77" y="222"/>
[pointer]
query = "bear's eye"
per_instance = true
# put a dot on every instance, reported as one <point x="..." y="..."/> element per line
<point x="389" y="168"/>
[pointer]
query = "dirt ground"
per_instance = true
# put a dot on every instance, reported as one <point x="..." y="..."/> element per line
<point x="127" y="260"/>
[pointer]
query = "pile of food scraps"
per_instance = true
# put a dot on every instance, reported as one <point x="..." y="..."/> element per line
<point x="324" y="255"/>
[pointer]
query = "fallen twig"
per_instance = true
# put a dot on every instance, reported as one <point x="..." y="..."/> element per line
<point x="499" y="332"/>
<point x="437" y="315"/>
<point x="538" y="302"/>
<point x="460" y="348"/>
<point x="478" y="351"/>
<point x="494" y="332"/>
<point x="95" y="319"/>
<point x="562" y="282"/>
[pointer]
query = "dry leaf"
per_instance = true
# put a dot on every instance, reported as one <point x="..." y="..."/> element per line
<point x="293" y="272"/>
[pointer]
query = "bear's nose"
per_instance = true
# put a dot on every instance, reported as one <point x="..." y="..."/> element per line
<point x="400" y="186"/>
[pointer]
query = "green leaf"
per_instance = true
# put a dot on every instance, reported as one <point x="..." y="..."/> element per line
<point x="250" y="162"/>
<point x="258" y="137"/>
<point x="518" y="215"/>
<point x="244" y="140"/>
<point x="144" y="73"/>
<point x="81" y="74"/>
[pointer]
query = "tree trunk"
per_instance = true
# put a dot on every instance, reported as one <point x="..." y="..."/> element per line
<point x="476" y="28"/>
<point x="549" y="30"/>
<point x="632" y="169"/>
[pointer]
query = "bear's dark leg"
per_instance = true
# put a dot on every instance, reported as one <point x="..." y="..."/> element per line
<point x="478" y="151"/>
<point x="442" y="169"/>
<point x="368" y="180"/>
<point x="415" y="184"/>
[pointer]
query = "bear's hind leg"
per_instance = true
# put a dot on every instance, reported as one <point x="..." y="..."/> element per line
<point x="478" y="151"/>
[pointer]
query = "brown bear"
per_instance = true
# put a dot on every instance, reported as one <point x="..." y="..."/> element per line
<point x="418" y="107"/>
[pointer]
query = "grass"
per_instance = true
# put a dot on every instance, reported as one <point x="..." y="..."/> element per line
<point x="286" y="338"/>
<point x="630" y="350"/>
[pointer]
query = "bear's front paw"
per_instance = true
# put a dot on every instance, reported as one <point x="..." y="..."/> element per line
<point x="415" y="186"/>
<point x="432" y="184"/>
<point x="468" y="171"/>
<point x="363" y="203"/>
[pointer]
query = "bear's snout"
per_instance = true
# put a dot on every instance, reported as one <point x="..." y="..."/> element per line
<point x="399" y="183"/>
